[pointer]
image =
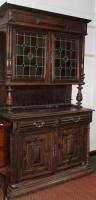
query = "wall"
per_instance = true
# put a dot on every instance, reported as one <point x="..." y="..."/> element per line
<point x="83" y="9"/>
<point x="89" y="91"/>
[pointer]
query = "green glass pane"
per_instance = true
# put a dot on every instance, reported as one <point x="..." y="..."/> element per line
<point x="63" y="63"/>
<point x="40" y="42"/>
<point x="32" y="71"/>
<point x="73" y="72"/>
<point x="74" y="46"/>
<point x="33" y="51"/>
<point x="73" y="64"/>
<point x="62" y="44"/>
<point x="19" y="70"/>
<point x="68" y="72"/>
<point x="27" y="40"/>
<point x="63" y="72"/>
<point x="68" y="65"/>
<point x="57" y="72"/>
<point x="57" y="44"/>
<point x="26" y="60"/>
<point x="57" y="54"/>
<point x="39" y="61"/>
<point x="20" y="50"/>
<point x="57" y="63"/>
<point x="69" y="46"/>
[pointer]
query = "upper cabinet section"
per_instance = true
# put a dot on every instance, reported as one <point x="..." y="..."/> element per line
<point x="41" y="47"/>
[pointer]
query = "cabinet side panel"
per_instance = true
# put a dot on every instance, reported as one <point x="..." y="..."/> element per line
<point x="2" y="55"/>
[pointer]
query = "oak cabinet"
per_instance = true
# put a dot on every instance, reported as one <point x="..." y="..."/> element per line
<point x="41" y="57"/>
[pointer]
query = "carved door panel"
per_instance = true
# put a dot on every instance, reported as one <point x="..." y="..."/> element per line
<point x="71" y="146"/>
<point x="34" y="156"/>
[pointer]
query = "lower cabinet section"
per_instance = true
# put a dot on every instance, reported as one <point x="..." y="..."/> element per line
<point x="46" y="151"/>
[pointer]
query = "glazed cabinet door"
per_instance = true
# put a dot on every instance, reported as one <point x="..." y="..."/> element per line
<point x="34" y="154"/>
<point x="67" y="60"/>
<point x="30" y="55"/>
<point x="72" y="146"/>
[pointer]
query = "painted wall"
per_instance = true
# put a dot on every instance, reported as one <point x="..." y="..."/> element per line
<point x="89" y="91"/>
<point x="84" y="9"/>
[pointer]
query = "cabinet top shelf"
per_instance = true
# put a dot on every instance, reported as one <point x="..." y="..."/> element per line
<point x="7" y="6"/>
<point x="30" y="17"/>
<point x="22" y="113"/>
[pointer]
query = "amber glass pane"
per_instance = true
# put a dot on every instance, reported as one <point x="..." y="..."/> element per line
<point x="30" y="54"/>
<point x="66" y="61"/>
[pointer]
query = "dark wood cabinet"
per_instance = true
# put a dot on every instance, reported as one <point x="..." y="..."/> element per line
<point x="41" y="57"/>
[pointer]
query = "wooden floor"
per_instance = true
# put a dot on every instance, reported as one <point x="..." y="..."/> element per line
<point x="79" y="189"/>
<point x="83" y="188"/>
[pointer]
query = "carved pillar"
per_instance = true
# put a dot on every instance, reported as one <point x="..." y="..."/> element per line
<point x="9" y="101"/>
<point x="79" y="95"/>
<point x="9" y="66"/>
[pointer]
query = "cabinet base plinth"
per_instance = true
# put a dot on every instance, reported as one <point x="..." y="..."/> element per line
<point x="28" y="186"/>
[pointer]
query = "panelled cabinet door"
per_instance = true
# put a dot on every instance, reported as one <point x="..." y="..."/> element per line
<point x="66" y="58"/>
<point x="71" y="146"/>
<point x="30" y="55"/>
<point x="34" y="156"/>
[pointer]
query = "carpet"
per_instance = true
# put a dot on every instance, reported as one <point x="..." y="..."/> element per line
<point x="83" y="188"/>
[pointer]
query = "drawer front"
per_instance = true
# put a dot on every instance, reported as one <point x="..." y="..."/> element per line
<point x="37" y="123"/>
<point x="75" y="119"/>
<point x="54" y="121"/>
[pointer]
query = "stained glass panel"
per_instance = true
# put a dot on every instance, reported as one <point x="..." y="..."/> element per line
<point x="66" y="61"/>
<point x="30" y="54"/>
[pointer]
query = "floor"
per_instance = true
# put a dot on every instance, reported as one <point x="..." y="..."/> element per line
<point x="79" y="189"/>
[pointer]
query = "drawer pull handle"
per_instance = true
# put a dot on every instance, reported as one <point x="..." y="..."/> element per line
<point x="76" y="120"/>
<point x="39" y="124"/>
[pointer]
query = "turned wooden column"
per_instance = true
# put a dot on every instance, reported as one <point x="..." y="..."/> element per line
<point x="79" y="97"/>
<point x="9" y="65"/>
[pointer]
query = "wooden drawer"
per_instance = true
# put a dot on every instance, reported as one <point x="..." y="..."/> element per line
<point x="75" y="119"/>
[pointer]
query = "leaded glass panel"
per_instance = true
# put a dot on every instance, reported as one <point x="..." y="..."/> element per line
<point x="30" y="54"/>
<point x="66" y="59"/>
